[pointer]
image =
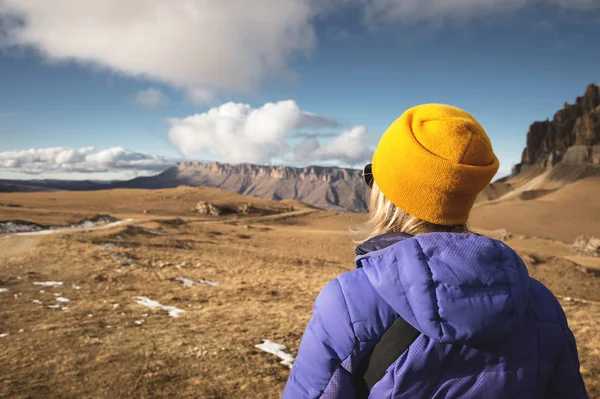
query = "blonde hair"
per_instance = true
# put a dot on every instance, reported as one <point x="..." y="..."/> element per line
<point x="385" y="217"/>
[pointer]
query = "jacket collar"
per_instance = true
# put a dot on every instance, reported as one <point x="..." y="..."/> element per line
<point x="379" y="243"/>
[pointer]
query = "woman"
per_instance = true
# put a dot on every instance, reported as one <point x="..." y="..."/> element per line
<point x="464" y="319"/>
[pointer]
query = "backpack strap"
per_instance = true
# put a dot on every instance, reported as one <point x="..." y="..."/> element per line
<point x="392" y="345"/>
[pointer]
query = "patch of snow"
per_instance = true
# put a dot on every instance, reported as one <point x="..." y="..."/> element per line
<point x="37" y="301"/>
<point x="208" y="282"/>
<point x="186" y="281"/>
<point x="62" y="299"/>
<point x="19" y="227"/>
<point x="119" y="270"/>
<point x="277" y="350"/>
<point x="42" y="292"/>
<point x="3" y="289"/>
<point x="80" y="226"/>
<point x="4" y="335"/>
<point x="150" y="231"/>
<point x="190" y="283"/>
<point x="76" y="287"/>
<point x="48" y="283"/>
<point x="87" y="224"/>
<point x="145" y="301"/>
<point x="64" y="308"/>
<point x="54" y="306"/>
<point x="139" y="322"/>
<point x="90" y="315"/>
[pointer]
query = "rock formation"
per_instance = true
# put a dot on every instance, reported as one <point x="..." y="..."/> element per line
<point x="573" y="135"/>
<point x="586" y="245"/>
<point x="206" y="208"/>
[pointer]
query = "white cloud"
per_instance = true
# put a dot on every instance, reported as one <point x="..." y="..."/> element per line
<point x="305" y="135"/>
<point x="349" y="147"/>
<point x="305" y="150"/>
<point x="151" y="99"/>
<point x="212" y="44"/>
<point x="200" y="96"/>
<point x="226" y="44"/>
<point x="235" y="132"/>
<point x="452" y="11"/>
<point x="83" y="160"/>
<point x="311" y="120"/>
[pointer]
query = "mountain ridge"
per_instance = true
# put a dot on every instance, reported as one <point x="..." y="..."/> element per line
<point x="557" y="152"/>
<point x="327" y="187"/>
<point x="331" y="188"/>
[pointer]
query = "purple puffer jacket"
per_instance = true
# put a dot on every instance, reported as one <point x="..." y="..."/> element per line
<point x="488" y="329"/>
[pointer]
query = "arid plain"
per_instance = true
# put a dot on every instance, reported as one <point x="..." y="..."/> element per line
<point x="89" y="311"/>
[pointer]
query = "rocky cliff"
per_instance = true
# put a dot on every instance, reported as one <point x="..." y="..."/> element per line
<point x="575" y="129"/>
<point x="310" y="173"/>
<point x="331" y="188"/>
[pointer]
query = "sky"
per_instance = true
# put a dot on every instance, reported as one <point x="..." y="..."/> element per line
<point x="112" y="89"/>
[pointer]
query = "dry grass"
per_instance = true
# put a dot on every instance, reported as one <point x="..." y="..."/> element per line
<point x="64" y="207"/>
<point x="270" y="272"/>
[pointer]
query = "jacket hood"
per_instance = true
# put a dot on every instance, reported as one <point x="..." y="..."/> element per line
<point x="456" y="288"/>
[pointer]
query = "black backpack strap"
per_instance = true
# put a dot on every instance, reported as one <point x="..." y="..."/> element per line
<point x="392" y="345"/>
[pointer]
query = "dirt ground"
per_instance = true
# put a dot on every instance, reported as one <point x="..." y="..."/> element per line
<point x="563" y="215"/>
<point x="103" y="344"/>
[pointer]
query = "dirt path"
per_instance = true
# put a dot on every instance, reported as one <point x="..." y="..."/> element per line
<point x="258" y="219"/>
<point x="129" y="221"/>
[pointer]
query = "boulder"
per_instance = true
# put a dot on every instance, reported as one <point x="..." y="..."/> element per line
<point x="245" y="209"/>
<point x="586" y="245"/>
<point x="501" y="235"/>
<point x="206" y="208"/>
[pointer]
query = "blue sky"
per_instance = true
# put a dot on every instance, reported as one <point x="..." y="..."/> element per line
<point x="146" y="86"/>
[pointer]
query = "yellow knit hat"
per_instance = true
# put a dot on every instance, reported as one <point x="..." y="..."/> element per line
<point x="433" y="161"/>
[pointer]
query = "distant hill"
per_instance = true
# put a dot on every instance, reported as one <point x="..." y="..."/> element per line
<point x="330" y="188"/>
<point x="16" y="186"/>
<point x="51" y="185"/>
<point x="562" y="214"/>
